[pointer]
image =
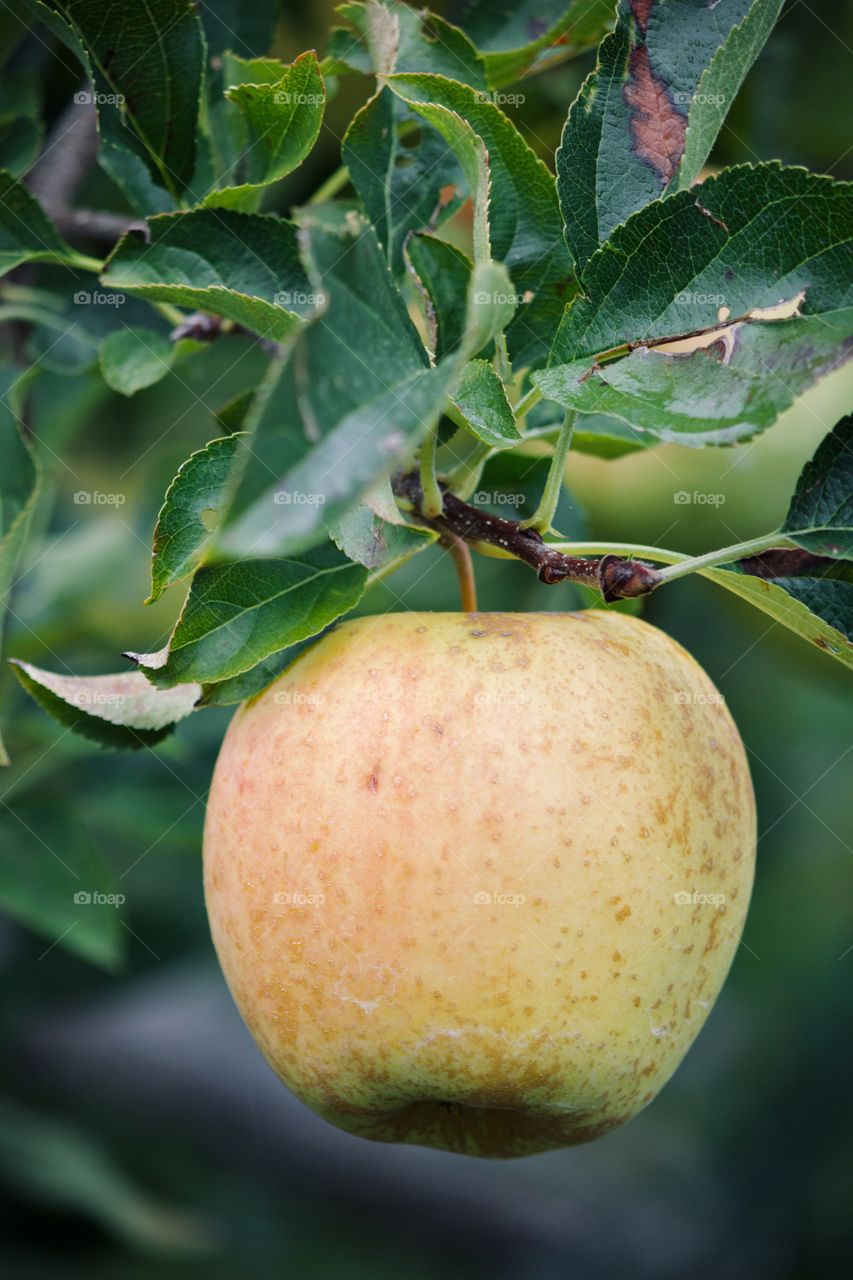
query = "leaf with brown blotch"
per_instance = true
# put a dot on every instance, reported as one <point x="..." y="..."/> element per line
<point x="646" y="119"/>
<point x="657" y="126"/>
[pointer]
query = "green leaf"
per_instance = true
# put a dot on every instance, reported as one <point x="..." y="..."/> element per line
<point x="349" y="401"/>
<point x="443" y="274"/>
<point x="20" y="124"/>
<point x="490" y="305"/>
<point x="121" y="711"/>
<point x="13" y="27"/>
<point x="121" y="153"/>
<point x="721" y="80"/>
<point x="132" y="359"/>
<point x="530" y="335"/>
<point x="516" y="37"/>
<point x="346" y="53"/>
<point x="20" y="142"/>
<point x="131" y="174"/>
<point x="751" y="237"/>
<point x="26" y="232"/>
<point x="194" y="501"/>
<point x="243" y="266"/>
<point x="483" y="406"/>
<point x="282" y="120"/>
<point x="525" y="228"/>
<point x="20" y="97"/>
<point x="236" y="615"/>
<point x="232" y="415"/>
<point x="406" y="180"/>
<point x="19" y="474"/>
<point x="646" y="119"/>
<point x="148" y="62"/>
<point x="516" y="215"/>
<point x="820" y="517"/>
<point x="67" y="327"/>
<point x="376" y="535"/>
<point x="376" y="543"/>
<point x="20" y="478"/>
<point x="470" y="150"/>
<point x="228" y="126"/>
<point x="364" y="344"/>
<point x="604" y="437"/>
<point x="815" y="602"/>
<point x="697" y="268"/>
<point x="325" y="480"/>
<point x="227" y="693"/>
<point x="52" y="881"/>
<point x="696" y="399"/>
<point x="396" y="37"/>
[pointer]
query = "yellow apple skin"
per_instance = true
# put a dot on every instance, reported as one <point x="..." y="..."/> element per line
<point x="475" y="880"/>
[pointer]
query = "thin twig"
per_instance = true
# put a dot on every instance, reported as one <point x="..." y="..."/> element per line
<point x="615" y="577"/>
<point x="68" y="155"/>
<point x="96" y="228"/>
<point x="69" y="152"/>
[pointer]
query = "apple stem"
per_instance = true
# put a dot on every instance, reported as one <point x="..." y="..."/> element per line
<point x="615" y="577"/>
<point x="458" y="549"/>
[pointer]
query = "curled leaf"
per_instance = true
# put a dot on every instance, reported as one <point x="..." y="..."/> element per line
<point x="121" y="711"/>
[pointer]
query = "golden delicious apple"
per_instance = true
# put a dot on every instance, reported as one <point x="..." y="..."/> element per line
<point x="475" y="880"/>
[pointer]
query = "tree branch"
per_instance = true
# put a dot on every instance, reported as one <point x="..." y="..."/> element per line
<point x="69" y="151"/>
<point x="96" y="228"/>
<point x="614" y="577"/>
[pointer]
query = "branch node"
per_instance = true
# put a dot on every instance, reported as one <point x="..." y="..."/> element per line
<point x="625" y="579"/>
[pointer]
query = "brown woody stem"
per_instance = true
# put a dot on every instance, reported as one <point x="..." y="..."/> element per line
<point x="615" y="578"/>
<point x="96" y="228"/>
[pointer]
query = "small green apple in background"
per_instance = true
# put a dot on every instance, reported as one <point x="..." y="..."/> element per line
<point x="475" y="880"/>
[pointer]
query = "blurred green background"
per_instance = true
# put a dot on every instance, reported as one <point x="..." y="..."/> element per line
<point x="141" y="1132"/>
